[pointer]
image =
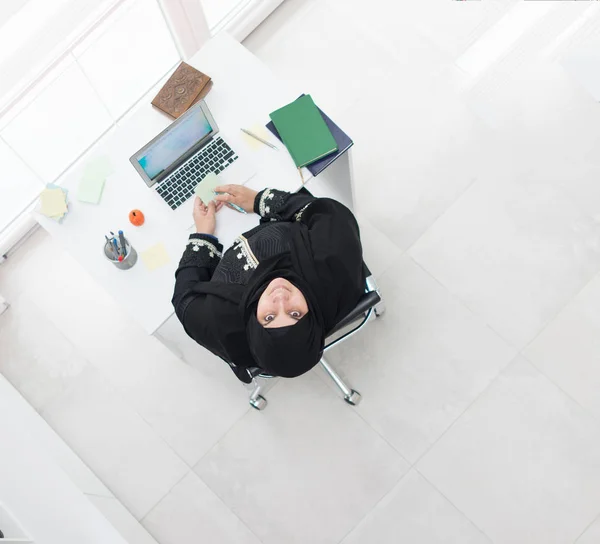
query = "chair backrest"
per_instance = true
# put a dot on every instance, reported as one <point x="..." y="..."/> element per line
<point x="369" y="300"/>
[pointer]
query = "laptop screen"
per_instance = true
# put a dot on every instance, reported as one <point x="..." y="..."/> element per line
<point x="174" y="143"/>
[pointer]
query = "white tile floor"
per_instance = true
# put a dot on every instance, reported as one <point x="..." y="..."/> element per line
<point x="478" y="202"/>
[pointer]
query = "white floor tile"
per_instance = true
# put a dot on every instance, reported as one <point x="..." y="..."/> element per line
<point x="413" y="154"/>
<point x="523" y="463"/>
<point x="422" y="363"/>
<point x="390" y="26"/>
<point x="455" y="26"/>
<point x="414" y="511"/>
<point x="191" y="512"/>
<point x="568" y="350"/>
<point x="514" y="251"/>
<point x="335" y="63"/>
<point x="116" y="443"/>
<point x="307" y="469"/>
<point x="34" y="355"/>
<point x="129" y="528"/>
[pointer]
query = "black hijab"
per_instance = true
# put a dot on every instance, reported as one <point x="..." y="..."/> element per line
<point x="324" y="261"/>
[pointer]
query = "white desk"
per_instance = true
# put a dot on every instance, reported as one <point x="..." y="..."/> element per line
<point x="244" y="93"/>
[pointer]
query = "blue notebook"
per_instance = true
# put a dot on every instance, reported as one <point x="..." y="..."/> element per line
<point x="342" y="140"/>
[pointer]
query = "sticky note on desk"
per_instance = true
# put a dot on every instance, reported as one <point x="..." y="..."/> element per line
<point x="155" y="257"/>
<point x="98" y="168"/>
<point x="206" y="188"/>
<point x="90" y="190"/>
<point x="53" y="202"/>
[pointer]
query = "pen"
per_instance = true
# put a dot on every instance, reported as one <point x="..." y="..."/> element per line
<point x="116" y="246"/>
<point x="122" y="242"/>
<point x="232" y="205"/>
<point x="236" y="207"/>
<point x="252" y="135"/>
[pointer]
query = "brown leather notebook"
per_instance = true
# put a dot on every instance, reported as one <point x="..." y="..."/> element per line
<point x="183" y="89"/>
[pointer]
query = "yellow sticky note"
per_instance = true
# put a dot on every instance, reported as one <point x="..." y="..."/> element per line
<point x="53" y="202"/>
<point x="155" y="256"/>
<point x="261" y="132"/>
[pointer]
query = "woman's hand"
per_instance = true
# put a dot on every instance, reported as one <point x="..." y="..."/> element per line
<point x="237" y="194"/>
<point x="205" y="216"/>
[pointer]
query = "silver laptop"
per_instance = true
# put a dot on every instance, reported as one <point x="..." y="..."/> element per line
<point x="179" y="158"/>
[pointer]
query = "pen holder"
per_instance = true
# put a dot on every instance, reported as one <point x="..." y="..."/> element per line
<point x="129" y="259"/>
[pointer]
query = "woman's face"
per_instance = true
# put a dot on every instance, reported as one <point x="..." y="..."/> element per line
<point x="281" y="304"/>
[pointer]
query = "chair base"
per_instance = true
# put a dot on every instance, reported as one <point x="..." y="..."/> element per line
<point x="353" y="398"/>
<point x="258" y="403"/>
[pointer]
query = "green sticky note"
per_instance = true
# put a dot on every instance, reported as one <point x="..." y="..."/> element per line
<point x="206" y="188"/>
<point x="98" y="168"/>
<point x="90" y="190"/>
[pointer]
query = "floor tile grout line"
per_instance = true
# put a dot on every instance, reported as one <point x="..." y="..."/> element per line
<point x="591" y="414"/>
<point x="522" y="351"/>
<point x="357" y="413"/>
<point x="111" y="496"/>
<point x="141" y="520"/>
<point x="377" y="503"/>
<point x="459" y="417"/>
<point x="225" y="434"/>
<point x="597" y="518"/>
<point x="550" y="320"/>
<point x="451" y="205"/>
<point x="519" y="355"/>
<point x="460" y="301"/>
<point x="491" y="541"/>
<point x="226" y="505"/>
<point x="115" y="495"/>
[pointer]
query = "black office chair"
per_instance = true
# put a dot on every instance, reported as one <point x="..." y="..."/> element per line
<point x="368" y="306"/>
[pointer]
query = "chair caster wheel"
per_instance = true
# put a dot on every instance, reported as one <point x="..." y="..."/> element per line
<point x="353" y="398"/>
<point x="259" y="403"/>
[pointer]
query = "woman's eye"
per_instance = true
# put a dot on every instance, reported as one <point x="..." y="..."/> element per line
<point x="269" y="318"/>
<point x="296" y="315"/>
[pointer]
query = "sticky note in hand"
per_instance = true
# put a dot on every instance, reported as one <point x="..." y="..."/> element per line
<point x="206" y="188"/>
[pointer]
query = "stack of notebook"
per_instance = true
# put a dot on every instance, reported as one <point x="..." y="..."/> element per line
<point x="311" y="137"/>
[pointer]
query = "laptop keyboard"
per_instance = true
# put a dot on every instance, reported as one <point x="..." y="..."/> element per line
<point x="180" y="185"/>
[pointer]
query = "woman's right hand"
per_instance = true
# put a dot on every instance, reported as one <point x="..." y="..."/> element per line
<point x="237" y="194"/>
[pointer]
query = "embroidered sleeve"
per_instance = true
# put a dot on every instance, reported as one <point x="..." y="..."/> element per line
<point x="202" y="250"/>
<point x="268" y="204"/>
<point x="274" y="205"/>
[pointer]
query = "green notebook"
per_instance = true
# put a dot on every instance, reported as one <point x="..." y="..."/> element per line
<point x="303" y="131"/>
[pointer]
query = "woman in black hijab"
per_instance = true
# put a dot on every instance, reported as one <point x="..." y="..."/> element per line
<point x="276" y="293"/>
